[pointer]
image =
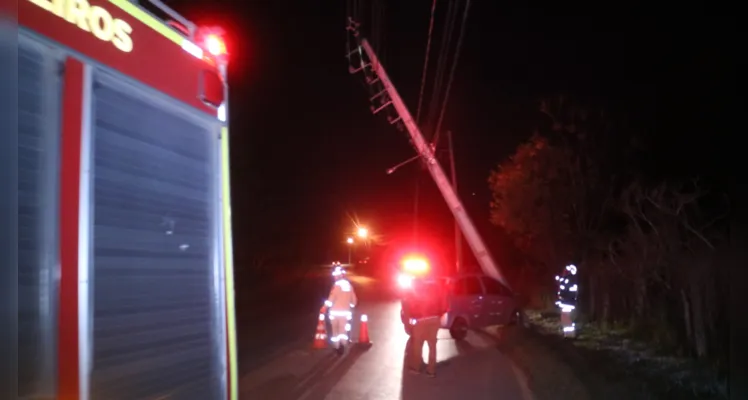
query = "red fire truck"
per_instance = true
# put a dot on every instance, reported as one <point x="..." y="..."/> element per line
<point x="125" y="254"/>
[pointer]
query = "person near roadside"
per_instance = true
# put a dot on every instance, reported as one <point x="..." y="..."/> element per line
<point x="428" y="304"/>
<point x="340" y="302"/>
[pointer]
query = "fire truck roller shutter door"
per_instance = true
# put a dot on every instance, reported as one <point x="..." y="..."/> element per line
<point x="158" y="329"/>
<point x="39" y="106"/>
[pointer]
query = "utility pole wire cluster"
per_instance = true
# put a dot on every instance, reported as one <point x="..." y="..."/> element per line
<point x="388" y="98"/>
<point x="371" y="17"/>
<point x="426" y="62"/>
<point x="452" y="72"/>
<point x="435" y="92"/>
<point x="384" y="96"/>
<point x="451" y="19"/>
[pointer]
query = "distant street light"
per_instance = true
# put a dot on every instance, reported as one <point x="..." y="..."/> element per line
<point x="350" y="246"/>
<point x="363" y="233"/>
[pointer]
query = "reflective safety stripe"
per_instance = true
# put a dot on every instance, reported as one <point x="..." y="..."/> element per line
<point x="148" y="19"/>
<point x="157" y="25"/>
<point x="192" y="48"/>
<point x="340" y="313"/>
<point x="339" y="337"/>
<point x="344" y="285"/>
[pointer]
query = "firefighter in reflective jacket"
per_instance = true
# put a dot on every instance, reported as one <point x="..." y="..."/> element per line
<point x="340" y="303"/>
<point x="567" y="299"/>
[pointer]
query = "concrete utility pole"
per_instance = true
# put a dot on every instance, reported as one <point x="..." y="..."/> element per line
<point x="426" y="152"/>
<point x="458" y="234"/>
<point x="415" y="208"/>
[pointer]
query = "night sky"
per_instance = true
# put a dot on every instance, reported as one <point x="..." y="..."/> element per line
<point x="307" y="154"/>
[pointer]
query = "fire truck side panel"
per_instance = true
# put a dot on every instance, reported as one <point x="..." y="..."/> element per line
<point x="138" y="256"/>
<point x="155" y="59"/>
<point x="39" y="109"/>
<point x="158" y="311"/>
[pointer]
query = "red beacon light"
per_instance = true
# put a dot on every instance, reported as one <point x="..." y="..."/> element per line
<point x="416" y="265"/>
<point x="212" y="40"/>
<point x="413" y="267"/>
<point x="208" y="40"/>
<point x="215" y="45"/>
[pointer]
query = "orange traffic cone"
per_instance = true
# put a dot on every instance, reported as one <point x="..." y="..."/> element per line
<point x="363" y="333"/>
<point x="320" y="338"/>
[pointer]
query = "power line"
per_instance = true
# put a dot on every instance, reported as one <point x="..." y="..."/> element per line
<point x="374" y="17"/>
<point x="452" y="72"/>
<point x="424" y="74"/>
<point x="382" y="32"/>
<point x="441" y="64"/>
<point x="426" y="62"/>
<point x="357" y="10"/>
<point x="348" y="17"/>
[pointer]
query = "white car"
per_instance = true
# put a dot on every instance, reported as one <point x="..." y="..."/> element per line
<point x="474" y="301"/>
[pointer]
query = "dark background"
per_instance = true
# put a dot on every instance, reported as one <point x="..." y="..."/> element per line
<point x="307" y="154"/>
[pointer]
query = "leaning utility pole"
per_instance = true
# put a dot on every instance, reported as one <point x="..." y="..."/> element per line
<point x="388" y="96"/>
<point x="415" y="208"/>
<point x="458" y="235"/>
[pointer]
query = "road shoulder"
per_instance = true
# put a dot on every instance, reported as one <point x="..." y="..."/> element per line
<point x="287" y="374"/>
<point x="559" y="368"/>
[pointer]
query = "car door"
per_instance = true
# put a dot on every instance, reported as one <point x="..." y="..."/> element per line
<point x="468" y="300"/>
<point x="499" y="302"/>
<point x="493" y="301"/>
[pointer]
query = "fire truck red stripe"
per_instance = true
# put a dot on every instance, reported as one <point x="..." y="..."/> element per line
<point x="70" y="172"/>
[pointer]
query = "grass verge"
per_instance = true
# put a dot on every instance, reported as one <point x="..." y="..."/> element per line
<point x="598" y="365"/>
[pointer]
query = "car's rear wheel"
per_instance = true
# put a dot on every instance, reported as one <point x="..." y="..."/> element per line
<point x="459" y="329"/>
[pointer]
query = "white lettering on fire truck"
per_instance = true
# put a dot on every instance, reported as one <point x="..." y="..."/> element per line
<point x="92" y="19"/>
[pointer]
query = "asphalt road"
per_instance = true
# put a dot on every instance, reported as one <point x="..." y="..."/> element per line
<point x="277" y="360"/>
<point x="268" y="323"/>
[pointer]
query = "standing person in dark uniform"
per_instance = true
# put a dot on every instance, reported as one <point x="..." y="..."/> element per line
<point x="428" y="304"/>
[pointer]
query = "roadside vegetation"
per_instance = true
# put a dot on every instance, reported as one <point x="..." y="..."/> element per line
<point x="650" y="243"/>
